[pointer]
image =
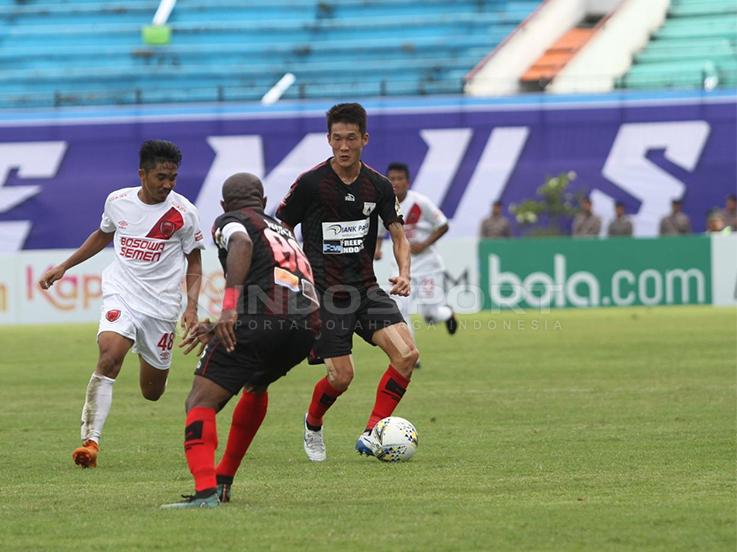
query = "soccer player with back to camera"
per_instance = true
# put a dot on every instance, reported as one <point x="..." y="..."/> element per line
<point x="424" y="224"/>
<point x="267" y="325"/>
<point x="156" y="235"/>
<point x="338" y="203"/>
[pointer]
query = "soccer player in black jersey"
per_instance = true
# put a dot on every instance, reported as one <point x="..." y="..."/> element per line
<point x="267" y="325"/>
<point x="338" y="203"/>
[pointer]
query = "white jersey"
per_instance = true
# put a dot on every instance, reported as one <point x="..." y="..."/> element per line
<point x="421" y="218"/>
<point x="151" y="242"/>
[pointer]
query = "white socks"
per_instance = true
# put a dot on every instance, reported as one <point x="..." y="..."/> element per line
<point x="97" y="403"/>
<point x="436" y="313"/>
<point x="432" y="314"/>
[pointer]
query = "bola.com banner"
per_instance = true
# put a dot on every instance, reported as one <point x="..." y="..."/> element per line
<point x="558" y="273"/>
<point x="496" y="275"/>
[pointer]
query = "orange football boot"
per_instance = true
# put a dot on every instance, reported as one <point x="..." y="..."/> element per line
<point x="86" y="455"/>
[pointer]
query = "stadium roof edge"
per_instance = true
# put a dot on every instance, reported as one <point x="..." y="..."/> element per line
<point x="181" y="112"/>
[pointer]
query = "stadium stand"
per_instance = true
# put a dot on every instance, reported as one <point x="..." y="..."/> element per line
<point x="87" y="52"/>
<point x="556" y="57"/>
<point x="695" y="48"/>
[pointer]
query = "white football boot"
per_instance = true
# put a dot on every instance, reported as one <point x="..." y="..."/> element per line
<point x="314" y="444"/>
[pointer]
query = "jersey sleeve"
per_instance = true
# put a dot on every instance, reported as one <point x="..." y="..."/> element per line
<point x="293" y="207"/>
<point x="192" y="235"/>
<point x="225" y="226"/>
<point x="434" y="215"/>
<point x="388" y="207"/>
<point x="223" y="234"/>
<point x="106" y="223"/>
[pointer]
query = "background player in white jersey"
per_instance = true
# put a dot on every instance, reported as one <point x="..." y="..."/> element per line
<point x="156" y="233"/>
<point x="424" y="224"/>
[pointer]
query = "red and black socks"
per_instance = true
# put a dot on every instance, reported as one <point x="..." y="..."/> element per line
<point x="390" y="391"/>
<point x="323" y="397"/>
<point x="200" y="442"/>
<point x="247" y="417"/>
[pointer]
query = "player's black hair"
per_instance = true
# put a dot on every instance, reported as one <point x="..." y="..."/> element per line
<point x="350" y="113"/>
<point x="395" y="166"/>
<point x="158" y="151"/>
<point x="732" y="197"/>
<point x="243" y="190"/>
<point x="498" y="203"/>
<point x="619" y="204"/>
<point x="676" y="201"/>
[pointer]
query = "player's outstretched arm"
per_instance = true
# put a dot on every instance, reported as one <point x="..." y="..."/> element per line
<point x="96" y="242"/>
<point x="400" y="283"/>
<point x="238" y="263"/>
<point x="419" y="247"/>
<point x="194" y="282"/>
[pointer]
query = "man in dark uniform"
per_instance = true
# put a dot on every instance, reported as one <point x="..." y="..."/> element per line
<point x="267" y="325"/>
<point x="338" y="203"/>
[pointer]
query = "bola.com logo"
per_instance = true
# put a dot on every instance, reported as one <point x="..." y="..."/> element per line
<point x="623" y="287"/>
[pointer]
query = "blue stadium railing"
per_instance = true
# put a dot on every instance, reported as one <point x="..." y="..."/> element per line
<point x="78" y="52"/>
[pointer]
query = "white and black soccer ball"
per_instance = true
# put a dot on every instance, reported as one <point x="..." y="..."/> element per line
<point x="395" y="439"/>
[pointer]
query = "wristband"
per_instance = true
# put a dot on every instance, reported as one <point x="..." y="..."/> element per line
<point x="230" y="300"/>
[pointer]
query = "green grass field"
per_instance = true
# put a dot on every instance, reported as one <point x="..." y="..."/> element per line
<point x="574" y="430"/>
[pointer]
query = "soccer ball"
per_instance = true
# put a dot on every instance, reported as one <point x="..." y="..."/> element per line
<point x="395" y="438"/>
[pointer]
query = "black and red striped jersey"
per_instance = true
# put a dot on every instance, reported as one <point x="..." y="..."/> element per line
<point x="279" y="281"/>
<point x="340" y="222"/>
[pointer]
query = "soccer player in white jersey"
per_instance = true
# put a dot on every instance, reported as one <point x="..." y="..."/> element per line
<point x="424" y="224"/>
<point x="156" y="236"/>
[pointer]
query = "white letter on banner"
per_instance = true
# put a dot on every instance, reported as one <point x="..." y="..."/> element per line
<point x="489" y="179"/>
<point x="310" y="151"/>
<point x="445" y="150"/>
<point x="232" y="154"/>
<point x="245" y="154"/>
<point x="33" y="160"/>
<point x="628" y="167"/>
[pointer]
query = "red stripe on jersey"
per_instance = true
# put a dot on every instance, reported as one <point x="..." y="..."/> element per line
<point x="166" y="225"/>
<point x="414" y="214"/>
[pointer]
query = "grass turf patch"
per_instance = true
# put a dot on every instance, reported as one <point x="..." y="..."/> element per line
<point x="585" y="429"/>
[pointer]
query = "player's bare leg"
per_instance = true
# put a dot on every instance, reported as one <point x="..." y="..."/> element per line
<point x="99" y="396"/>
<point x="152" y="381"/>
<point x="405" y="305"/>
<point x="340" y="372"/>
<point x="399" y="345"/>
<point x="397" y="342"/>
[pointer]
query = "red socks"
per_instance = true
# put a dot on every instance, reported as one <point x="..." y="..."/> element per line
<point x="390" y="391"/>
<point x="200" y="442"/>
<point x="323" y="398"/>
<point x="247" y="417"/>
<point x="388" y="394"/>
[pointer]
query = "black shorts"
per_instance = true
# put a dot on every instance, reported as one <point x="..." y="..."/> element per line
<point x="340" y="319"/>
<point x="266" y="349"/>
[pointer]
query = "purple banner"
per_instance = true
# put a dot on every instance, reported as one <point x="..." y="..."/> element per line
<point x="54" y="176"/>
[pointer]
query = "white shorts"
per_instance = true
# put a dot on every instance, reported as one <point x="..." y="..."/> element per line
<point x="152" y="338"/>
<point x="428" y="288"/>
